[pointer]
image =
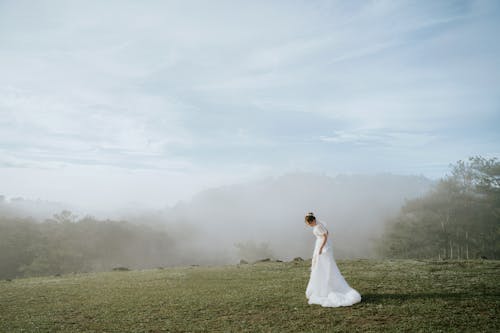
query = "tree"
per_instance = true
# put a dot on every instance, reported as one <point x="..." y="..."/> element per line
<point x="64" y="244"/>
<point x="458" y="219"/>
<point x="252" y="251"/>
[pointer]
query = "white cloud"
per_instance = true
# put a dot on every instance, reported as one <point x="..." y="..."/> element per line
<point x="190" y="91"/>
<point x="378" y="138"/>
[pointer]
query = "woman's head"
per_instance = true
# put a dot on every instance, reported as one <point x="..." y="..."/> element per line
<point x="310" y="219"/>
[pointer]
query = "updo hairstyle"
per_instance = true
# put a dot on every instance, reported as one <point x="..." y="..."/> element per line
<point x="310" y="218"/>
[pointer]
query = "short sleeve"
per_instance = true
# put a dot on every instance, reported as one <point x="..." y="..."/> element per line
<point x="321" y="230"/>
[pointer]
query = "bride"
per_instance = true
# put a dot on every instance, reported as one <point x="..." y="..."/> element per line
<point x="327" y="287"/>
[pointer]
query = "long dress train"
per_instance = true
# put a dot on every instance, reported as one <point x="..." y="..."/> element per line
<point x="327" y="287"/>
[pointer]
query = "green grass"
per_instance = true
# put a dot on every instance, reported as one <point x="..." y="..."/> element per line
<point x="398" y="296"/>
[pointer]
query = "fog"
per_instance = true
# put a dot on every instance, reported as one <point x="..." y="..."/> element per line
<point x="272" y="211"/>
<point x="223" y="123"/>
<point x="266" y="213"/>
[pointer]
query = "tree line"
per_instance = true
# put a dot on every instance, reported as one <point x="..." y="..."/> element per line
<point x="458" y="219"/>
<point x="65" y="244"/>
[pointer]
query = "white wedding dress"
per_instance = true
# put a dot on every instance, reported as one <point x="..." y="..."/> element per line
<point x="327" y="287"/>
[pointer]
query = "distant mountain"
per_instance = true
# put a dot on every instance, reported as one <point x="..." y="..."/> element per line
<point x="271" y="210"/>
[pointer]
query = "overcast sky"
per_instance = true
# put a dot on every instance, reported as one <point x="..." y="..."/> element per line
<point x="107" y="102"/>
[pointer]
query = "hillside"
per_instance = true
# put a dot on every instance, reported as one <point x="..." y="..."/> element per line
<point x="205" y="229"/>
<point x="271" y="210"/>
<point x="398" y="295"/>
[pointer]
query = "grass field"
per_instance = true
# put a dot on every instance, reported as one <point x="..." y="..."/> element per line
<point x="398" y="296"/>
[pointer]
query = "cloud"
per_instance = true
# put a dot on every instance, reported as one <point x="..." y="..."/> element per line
<point x="405" y="140"/>
<point x="232" y="90"/>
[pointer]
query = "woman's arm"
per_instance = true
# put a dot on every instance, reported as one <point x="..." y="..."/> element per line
<point x="325" y="236"/>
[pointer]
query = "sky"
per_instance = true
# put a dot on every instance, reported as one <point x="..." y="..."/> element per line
<point x="109" y="103"/>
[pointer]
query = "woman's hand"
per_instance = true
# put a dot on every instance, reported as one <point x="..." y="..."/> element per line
<point x="320" y="250"/>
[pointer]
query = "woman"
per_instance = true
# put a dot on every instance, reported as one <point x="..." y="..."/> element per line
<point x="326" y="287"/>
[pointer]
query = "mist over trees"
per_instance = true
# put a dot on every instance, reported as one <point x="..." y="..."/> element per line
<point x="368" y="216"/>
<point x="271" y="211"/>
<point x="37" y="209"/>
<point x="221" y="225"/>
<point x="65" y="244"/>
<point x="458" y="219"/>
